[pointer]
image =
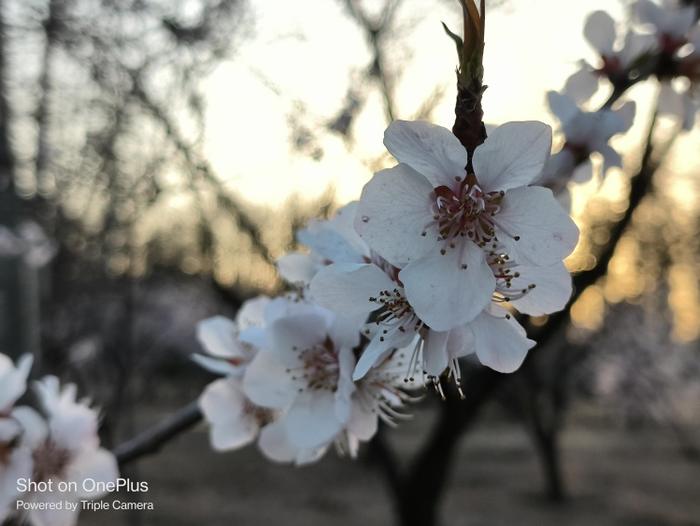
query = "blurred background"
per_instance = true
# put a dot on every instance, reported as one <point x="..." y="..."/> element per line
<point x="157" y="156"/>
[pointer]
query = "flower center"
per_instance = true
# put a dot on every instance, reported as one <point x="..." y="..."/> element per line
<point x="319" y="367"/>
<point x="395" y="312"/>
<point x="468" y="212"/>
<point x="49" y="460"/>
<point x="262" y="415"/>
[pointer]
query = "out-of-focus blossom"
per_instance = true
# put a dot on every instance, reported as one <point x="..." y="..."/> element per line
<point x="437" y="222"/>
<point x="669" y="21"/>
<point x="66" y="449"/>
<point x="330" y="241"/>
<point x="584" y="133"/>
<point x="615" y="57"/>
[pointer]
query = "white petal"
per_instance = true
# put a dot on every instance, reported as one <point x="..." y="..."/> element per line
<point x="217" y="365"/>
<point x="500" y="343"/>
<point x="546" y="233"/>
<point x="363" y="421"/>
<point x="267" y="382"/>
<point x="217" y="336"/>
<point x="600" y="32"/>
<point x="393" y="213"/>
<point x="297" y="268"/>
<point x="435" y="353"/>
<point x="252" y="312"/>
<point x="34" y="428"/>
<point x="332" y="240"/>
<point x="295" y="333"/>
<point x="647" y="12"/>
<point x="582" y="85"/>
<point x="346" y="288"/>
<point x="311" y="421"/>
<point x="442" y="292"/>
<point x="551" y="293"/>
<point x="635" y="45"/>
<point x="223" y="405"/>
<point x="460" y="342"/>
<point x="97" y="464"/>
<point x="513" y="155"/>
<point x="13" y="380"/>
<point x="379" y="348"/>
<point x="274" y="443"/>
<point x="432" y="150"/>
<point x="563" y="107"/>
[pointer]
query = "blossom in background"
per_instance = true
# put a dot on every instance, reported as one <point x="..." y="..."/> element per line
<point x="64" y="448"/>
<point x="584" y="133"/>
<point x="18" y="430"/>
<point x="615" y="57"/>
<point x="434" y="221"/>
<point x="220" y="338"/>
<point x="330" y="241"/>
<point x="669" y="21"/>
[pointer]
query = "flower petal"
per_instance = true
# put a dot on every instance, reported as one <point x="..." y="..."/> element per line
<point x="500" y="342"/>
<point x="435" y="352"/>
<point x="363" y="421"/>
<point x="551" y="292"/>
<point x="297" y="268"/>
<point x="513" y="155"/>
<point x="346" y="288"/>
<point x="582" y="85"/>
<point x="267" y="383"/>
<point x="274" y="443"/>
<point x="218" y="337"/>
<point x="600" y="32"/>
<point x="393" y="213"/>
<point x="563" y="107"/>
<point x="442" y="292"/>
<point x="546" y="233"/>
<point x="379" y="348"/>
<point x="223" y="405"/>
<point x="431" y="150"/>
<point x="311" y="421"/>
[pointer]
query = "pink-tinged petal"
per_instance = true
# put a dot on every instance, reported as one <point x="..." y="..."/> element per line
<point x="600" y="32"/>
<point x="311" y="421"/>
<point x="513" y="155"/>
<point x="379" y="348"/>
<point x="347" y="288"/>
<point x="563" y="107"/>
<point x="432" y="150"/>
<point x="217" y="336"/>
<point x="582" y="85"/>
<point x="267" y="383"/>
<point x="223" y="405"/>
<point x="275" y="444"/>
<point x="551" y="292"/>
<point x="394" y="210"/>
<point x="435" y="353"/>
<point x="545" y="233"/>
<point x="500" y="342"/>
<point x="297" y="268"/>
<point x="451" y="289"/>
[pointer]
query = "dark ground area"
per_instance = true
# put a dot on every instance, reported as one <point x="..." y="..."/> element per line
<point x="614" y="477"/>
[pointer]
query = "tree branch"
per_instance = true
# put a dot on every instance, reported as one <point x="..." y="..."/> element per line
<point x="153" y="439"/>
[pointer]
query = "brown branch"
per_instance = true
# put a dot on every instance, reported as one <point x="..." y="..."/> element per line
<point x="153" y="439"/>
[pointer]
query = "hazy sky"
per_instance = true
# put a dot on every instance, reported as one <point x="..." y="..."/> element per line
<point x="307" y="48"/>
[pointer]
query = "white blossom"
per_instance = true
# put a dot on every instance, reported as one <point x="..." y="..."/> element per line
<point x="584" y="133"/>
<point x="436" y="223"/>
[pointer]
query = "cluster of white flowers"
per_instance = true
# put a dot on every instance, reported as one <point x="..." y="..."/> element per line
<point x="661" y="39"/>
<point x="425" y="269"/>
<point x="59" y="447"/>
